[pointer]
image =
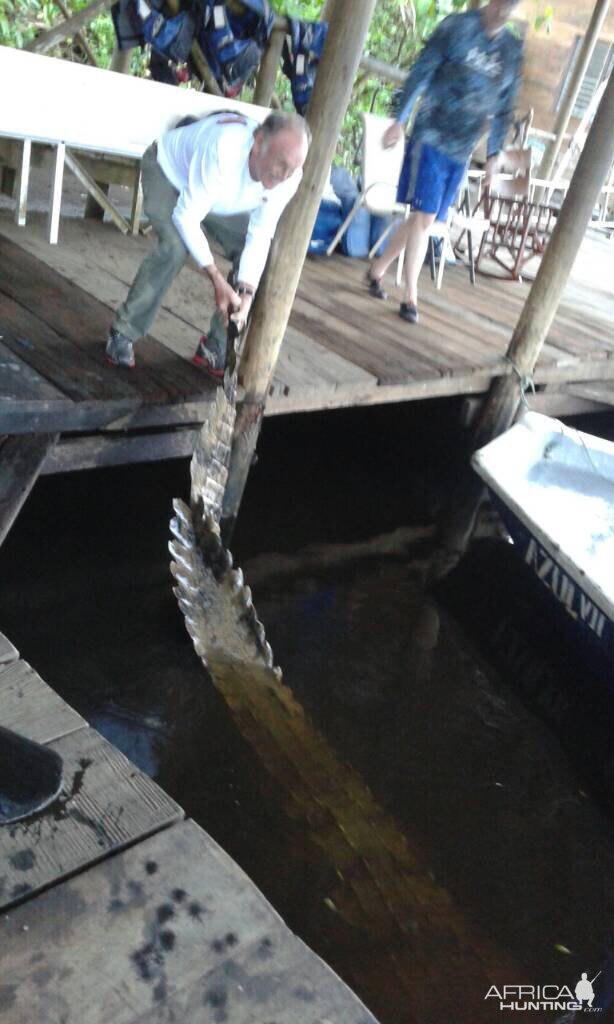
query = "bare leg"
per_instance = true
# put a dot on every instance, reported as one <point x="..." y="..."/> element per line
<point x="415" y="251"/>
<point x="397" y="243"/>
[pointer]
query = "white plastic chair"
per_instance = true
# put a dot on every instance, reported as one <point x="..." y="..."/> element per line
<point x="381" y="169"/>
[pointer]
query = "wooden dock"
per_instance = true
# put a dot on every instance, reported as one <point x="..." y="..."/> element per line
<point x="342" y="348"/>
<point x="117" y="908"/>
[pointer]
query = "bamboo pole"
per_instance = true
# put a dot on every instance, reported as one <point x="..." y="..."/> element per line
<point x="331" y="95"/>
<point x="267" y="74"/>
<point x="504" y="397"/>
<point x="570" y="95"/>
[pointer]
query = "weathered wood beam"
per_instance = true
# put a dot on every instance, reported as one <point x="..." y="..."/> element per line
<point x="121" y="59"/>
<point x="379" y="68"/>
<point x="108" y="450"/>
<point x="96" y="191"/>
<point x="21" y="460"/>
<point x="79" y="36"/>
<point x="45" y="41"/>
<point x="538" y="312"/>
<point x="267" y="74"/>
<point x="570" y="96"/>
<point x="331" y="95"/>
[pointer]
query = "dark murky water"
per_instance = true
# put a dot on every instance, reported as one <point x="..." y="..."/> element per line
<point x="459" y="710"/>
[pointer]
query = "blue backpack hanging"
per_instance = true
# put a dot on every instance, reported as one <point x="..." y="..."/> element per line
<point x="302" y="50"/>
<point x="233" y="36"/>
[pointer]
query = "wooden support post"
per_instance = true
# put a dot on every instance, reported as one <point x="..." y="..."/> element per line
<point x="79" y="36"/>
<point x="95" y="191"/>
<point x="21" y="460"/>
<point x="121" y="60"/>
<point x="504" y="397"/>
<point x="22" y="183"/>
<point x="570" y="95"/>
<point x="137" y="201"/>
<point x="56" y="193"/>
<point x="332" y="91"/>
<point x="265" y="83"/>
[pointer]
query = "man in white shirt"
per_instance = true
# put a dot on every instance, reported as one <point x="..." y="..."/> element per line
<point x="233" y="177"/>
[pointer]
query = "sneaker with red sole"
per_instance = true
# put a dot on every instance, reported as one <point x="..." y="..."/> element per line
<point x="204" y="360"/>
<point x="119" y="350"/>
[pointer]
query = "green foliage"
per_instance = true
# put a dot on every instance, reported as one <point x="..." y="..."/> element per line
<point x="543" y="19"/>
<point x="19" y="20"/>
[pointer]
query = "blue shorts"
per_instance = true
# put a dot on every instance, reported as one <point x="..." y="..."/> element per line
<point x="429" y="179"/>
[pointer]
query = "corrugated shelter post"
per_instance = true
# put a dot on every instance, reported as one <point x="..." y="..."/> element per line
<point x="333" y="87"/>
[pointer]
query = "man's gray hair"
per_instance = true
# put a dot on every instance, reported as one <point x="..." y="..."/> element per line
<point x="280" y="120"/>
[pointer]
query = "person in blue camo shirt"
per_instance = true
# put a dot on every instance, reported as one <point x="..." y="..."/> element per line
<point x="467" y="76"/>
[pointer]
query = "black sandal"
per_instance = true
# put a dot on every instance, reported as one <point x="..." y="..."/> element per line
<point x="409" y="312"/>
<point x="374" y="284"/>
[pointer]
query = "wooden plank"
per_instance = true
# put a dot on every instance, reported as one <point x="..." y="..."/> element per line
<point x="78" y="316"/>
<point x="21" y="459"/>
<point x="106" y="805"/>
<point x="31" y="708"/>
<point x="379" y="323"/>
<point x="569" y="331"/>
<point x="388" y="360"/>
<point x="375" y="322"/>
<point x="8" y="651"/>
<point x="168" y="931"/>
<point x="352" y="395"/>
<point x="19" y="383"/>
<point x="305" y="363"/>
<point x="98" y="261"/>
<point x="73" y="372"/>
<point x="106" y="450"/>
<point x="558" y="402"/>
<point x="595" y="391"/>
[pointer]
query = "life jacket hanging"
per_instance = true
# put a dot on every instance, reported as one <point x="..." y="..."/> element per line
<point x="232" y="37"/>
<point x="301" y="54"/>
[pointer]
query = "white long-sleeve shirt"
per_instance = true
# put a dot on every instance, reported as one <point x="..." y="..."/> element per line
<point x="207" y="162"/>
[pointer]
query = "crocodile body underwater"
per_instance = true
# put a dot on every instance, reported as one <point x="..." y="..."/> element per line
<point x="417" y="959"/>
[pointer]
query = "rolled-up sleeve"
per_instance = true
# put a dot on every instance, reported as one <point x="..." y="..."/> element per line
<point x="205" y="185"/>
<point x="262" y="225"/>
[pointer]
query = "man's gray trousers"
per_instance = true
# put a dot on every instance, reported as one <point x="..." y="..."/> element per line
<point x="160" y="268"/>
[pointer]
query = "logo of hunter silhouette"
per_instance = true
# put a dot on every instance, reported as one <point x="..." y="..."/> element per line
<point x="547" y="997"/>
